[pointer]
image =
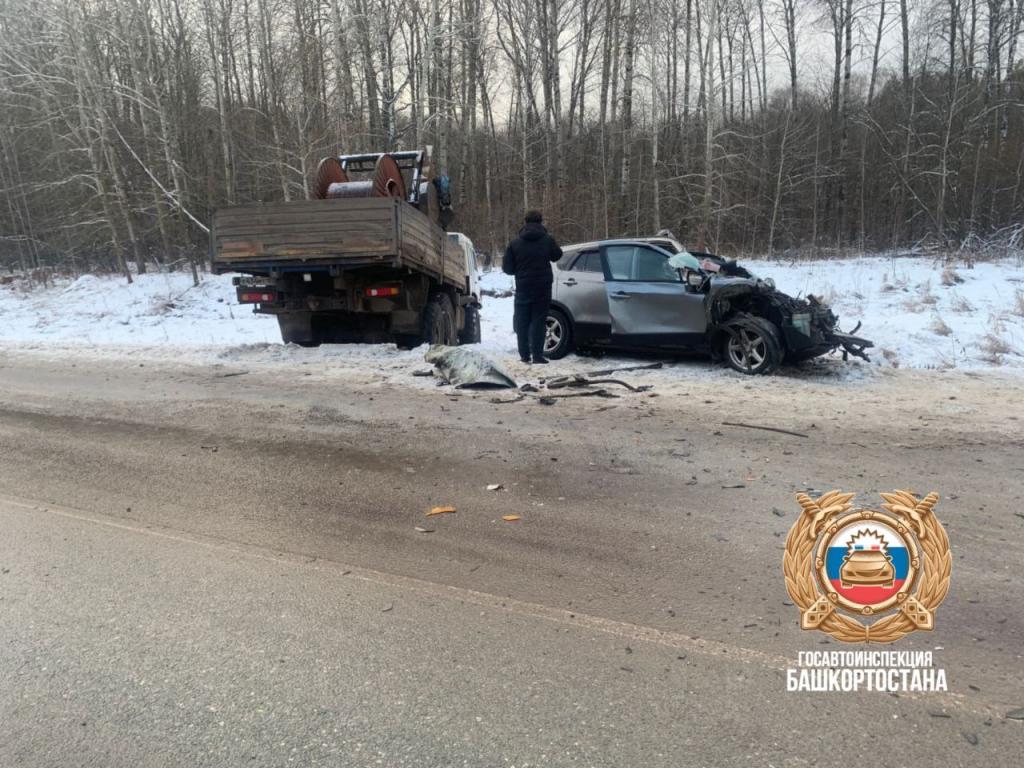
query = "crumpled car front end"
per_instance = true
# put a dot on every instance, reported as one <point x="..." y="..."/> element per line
<point x="810" y="328"/>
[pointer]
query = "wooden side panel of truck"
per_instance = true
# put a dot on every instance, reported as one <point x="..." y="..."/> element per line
<point x="350" y="233"/>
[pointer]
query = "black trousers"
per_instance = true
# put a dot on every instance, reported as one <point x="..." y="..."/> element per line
<point x="529" y="322"/>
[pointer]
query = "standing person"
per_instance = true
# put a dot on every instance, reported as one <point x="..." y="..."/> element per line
<point x="528" y="258"/>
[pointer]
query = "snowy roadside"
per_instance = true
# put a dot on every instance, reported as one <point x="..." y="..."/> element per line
<point x="920" y="315"/>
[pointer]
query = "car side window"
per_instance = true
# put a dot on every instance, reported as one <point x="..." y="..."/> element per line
<point x="588" y="261"/>
<point x="620" y="261"/>
<point x="637" y="263"/>
<point x="566" y="261"/>
<point x="653" y="266"/>
<point x="593" y="262"/>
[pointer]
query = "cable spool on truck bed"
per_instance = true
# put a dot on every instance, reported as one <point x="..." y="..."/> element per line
<point x="365" y="260"/>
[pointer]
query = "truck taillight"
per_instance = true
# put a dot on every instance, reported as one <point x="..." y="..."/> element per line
<point x="382" y="291"/>
<point x="256" y="297"/>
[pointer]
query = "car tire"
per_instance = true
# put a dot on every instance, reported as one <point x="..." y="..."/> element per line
<point x="751" y="345"/>
<point x="557" y="335"/>
<point x="470" y="333"/>
<point x="439" y="321"/>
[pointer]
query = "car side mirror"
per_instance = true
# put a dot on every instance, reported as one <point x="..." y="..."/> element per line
<point x="694" y="279"/>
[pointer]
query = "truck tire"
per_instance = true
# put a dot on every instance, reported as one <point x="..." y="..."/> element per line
<point x="297" y="328"/>
<point x="407" y="340"/>
<point x="470" y="333"/>
<point x="439" y="321"/>
<point x="751" y="345"/>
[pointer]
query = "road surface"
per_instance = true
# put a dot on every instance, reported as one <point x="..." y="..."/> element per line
<point x="220" y="565"/>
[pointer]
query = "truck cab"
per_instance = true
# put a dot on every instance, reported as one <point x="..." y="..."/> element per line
<point x="472" y="266"/>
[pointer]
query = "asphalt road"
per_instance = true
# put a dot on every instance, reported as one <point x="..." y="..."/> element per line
<point x="206" y="569"/>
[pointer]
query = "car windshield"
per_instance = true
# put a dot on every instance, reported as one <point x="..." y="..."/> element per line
<point x="684" y="260"/>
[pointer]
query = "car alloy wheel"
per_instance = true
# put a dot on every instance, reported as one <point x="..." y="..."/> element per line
<point x="747" y="349"/>
<point x="554" y="332"/>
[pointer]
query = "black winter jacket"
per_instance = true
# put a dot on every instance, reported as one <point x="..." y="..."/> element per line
<point x="529" y="258"/>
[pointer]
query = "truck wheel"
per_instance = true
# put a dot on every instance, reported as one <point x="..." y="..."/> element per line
<point x="439" y="321"/>
<point x="557" y="335"/>
<point x="751" y="345"/>
<point x="297" y="328"/>
<point x="470" y="333"/>
<point x="407" y="340"/>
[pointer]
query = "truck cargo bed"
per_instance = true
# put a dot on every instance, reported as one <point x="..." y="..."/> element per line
<point x="343" y="233"/>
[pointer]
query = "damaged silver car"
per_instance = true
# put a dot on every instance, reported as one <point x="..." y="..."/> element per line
<point x="652" y="294"/>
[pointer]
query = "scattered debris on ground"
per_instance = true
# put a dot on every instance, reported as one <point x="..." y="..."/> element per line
<point x="435" y="511"/>
<point x="625" y="368"/>
<point x="576" y="380"/>
<point x="766" y="429"/>
<point x="499" y="401"/>
<point x="546" y="391"/>
<point x="463" y="368"/>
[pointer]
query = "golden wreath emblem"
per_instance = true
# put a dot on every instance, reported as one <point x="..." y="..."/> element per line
<point x="891" y="567"/>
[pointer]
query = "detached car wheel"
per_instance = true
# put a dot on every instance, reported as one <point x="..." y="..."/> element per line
<point x="751" y="345"/>
<point x="557" y="335"/>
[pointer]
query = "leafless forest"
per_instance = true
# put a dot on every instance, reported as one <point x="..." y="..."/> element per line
<point x="744" y="125"/>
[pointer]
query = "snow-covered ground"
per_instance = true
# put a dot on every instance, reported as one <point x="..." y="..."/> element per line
<point x="156" y="309"/>
<point x="919" y="313"/>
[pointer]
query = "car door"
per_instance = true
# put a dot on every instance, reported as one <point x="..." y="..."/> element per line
<point x="648" y="302"/>
<point x="580" y="288"/>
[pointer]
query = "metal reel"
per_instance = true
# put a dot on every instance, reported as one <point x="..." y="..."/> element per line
<point x="328" y="173"/>
<point x="387" y="179"/>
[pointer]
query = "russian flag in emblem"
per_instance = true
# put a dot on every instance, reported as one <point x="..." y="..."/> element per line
<point x="867" y="562"/>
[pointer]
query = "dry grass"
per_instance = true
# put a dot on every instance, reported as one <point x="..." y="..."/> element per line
<point x="925" y="298"/>
<point x="1018" y="306"/>
<point x="993" y="347"/>
<point x="939" y="327"/>
<point x="950" y="277"/>
<point x="925" y="292"/>
<point x="161" y="307"/>
<point x="960" y="304"/>
<point x="896" y="284"/>
<point x="995" y="344"/>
